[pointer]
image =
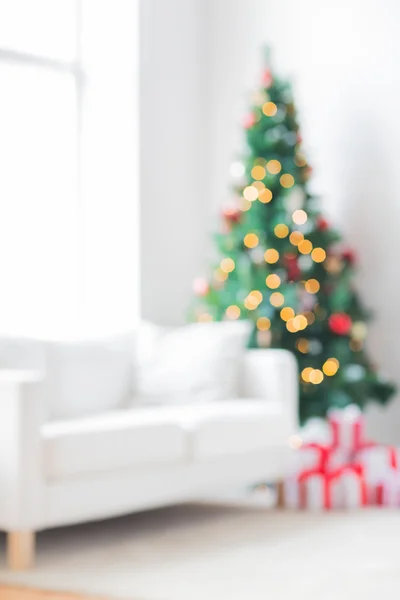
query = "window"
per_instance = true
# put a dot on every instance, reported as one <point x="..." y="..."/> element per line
<point x="68" y="166"/>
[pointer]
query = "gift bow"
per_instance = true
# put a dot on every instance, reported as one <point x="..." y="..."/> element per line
<point x="330" y="477"/>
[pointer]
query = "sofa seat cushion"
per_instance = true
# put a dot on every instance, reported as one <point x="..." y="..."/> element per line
<point x="135" y="438"/>
<point x="238" y="426"/>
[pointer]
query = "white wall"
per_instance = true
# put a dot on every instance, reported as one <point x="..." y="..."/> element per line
<point x="343" y="57"/>
<point x="172" y="155"/>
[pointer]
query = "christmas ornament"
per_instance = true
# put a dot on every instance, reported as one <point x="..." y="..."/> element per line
<point x="291" y="264"/>
<point x="322" y="224"/>
<point x="266" y="78"/>
<point x="249" y="121"/>
<point x="349" y="256"/>
<point x="201" y="286"/>
<point x="232" y="215"/>
<point x="340" y="323"/>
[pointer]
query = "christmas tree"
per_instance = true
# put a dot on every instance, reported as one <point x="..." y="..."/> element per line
<point x="283" y="266"/>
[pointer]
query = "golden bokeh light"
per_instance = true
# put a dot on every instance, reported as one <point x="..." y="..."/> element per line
<point x="271" y="256"/>
<point x="300" y="160"/>
<point x="269" y="109"/>
<point x="227" y="265"/>
<point x="296" y="237"/>
<point x="258" y="172"/>
<point x="310" y="317"/>
<point x="312" y="286"/>
<point x="331" y="367"/>
<point x="290" y="326"/>
<point x="305" y="247"/>
<point x="300" y="322"/>
<point x="250" y="302"/>
<point x="233" y="312"/>
<point x="302" y="345"/>
<point x="263" y="324"/>
<point x="245" y="205"/>
<point x="220" y="275"/>
<point x="356" y="345"/>
<point x="250" y="193"/>
<point x="277" y="299"/>
<point x="257" y="295"/>
<point x="259" y="185"/>
<point x="204" y="318"/>
<point x="299" y="217"/>
<point x="274" y="167"/>
<point x="295" y="442"/>
<point x="333" y="264"/>
<point x="287" y="180"/>
<point x="316" y="376"/>
<point x="318" y="255"/>
<point x="287" y="313"/>
<point x="250" y="240"/>
<point x="265" y="196"/>
<point x="273" y="281"/>
<point x="281" y="230"/>
<point x="305" y="374"/>
<point x="359" y="330"/>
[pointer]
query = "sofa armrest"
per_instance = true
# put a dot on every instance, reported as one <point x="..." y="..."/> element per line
<point x="22" y="413"/>
<point x="273" y="374"/>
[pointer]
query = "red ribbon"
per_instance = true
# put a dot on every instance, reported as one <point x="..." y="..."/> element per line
<point x="328" y="479"/>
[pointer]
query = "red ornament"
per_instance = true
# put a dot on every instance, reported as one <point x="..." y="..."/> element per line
<point x="292" y="267"/>
<point x="267" y="78"/>
<point x="232" y="215"/>
<point x="249" y="121"/>
<point x="340" y="323"/>
<point x="299" y="137"/>
<point x="349" y="255"/>
<point x="322" y="224"/>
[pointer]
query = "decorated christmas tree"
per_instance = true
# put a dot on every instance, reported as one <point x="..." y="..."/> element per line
<point x="283" y="266"/>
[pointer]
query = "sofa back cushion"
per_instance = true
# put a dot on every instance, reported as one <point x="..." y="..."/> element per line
<point x="196" y="363"/>
<point x="22" y="354"/>
<point x="88" y="377"/>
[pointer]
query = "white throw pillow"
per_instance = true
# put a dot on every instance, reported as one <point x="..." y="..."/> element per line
<point x="88" y="377"/>
<point x="196" y="363"/>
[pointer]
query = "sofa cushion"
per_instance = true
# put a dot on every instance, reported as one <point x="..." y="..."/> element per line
<point x="22" y="353"/>
<point x="196" y="363"/>
<point x="238" y="426"/>
<point x="135" y="438"/>
<point x="88" y="377"/>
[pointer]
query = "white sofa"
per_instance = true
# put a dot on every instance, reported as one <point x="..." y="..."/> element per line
<point x="58" y="468"/>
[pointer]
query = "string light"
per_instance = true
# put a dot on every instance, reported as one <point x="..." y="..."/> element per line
<point x="296" y="237"/>
<point x="287" y="313"/>
<point x="300" y="160"/>
<point x="253" y="299"/>
<point x="300" y="322"/>
<point x="316" y="376"/>
<point x="302" y="345"/>
<point x="305" y="374"/>
<point x="359" y="330"/>
<point x="331" y="367"/>
<point x="281" y="230"/>
<point x="257" y="295"/>
<point x="250" y="240"/>
<point x="310" y="317"/>
<point x="287" y="180"/>
<point x="220" y="275"/>
<point x="245" y="205"/>
<point x="227" y="265"/>
<point x="259" y="185"/>
<point x="290" y="326"/>
<point x="269" y="109"/>
<point x="258" y="172"/>
<point x="295" y="442"/>
<point x="318" y="255"/>
<point x="333" y="265"/>
<point x="205" y="318"/>
<point x="277" y="299"/>
<point x="305" y="247"/>
<point x="274" y="166"/>
<point x="273" y="281"/>
<point x="265" y="196"/>
<point x="263" y="324"/>
<point x="271" y="256"/>
<point x="312" y="286"/>
<point x="299" y="217"/>
<point x="233" y="312"/>
<point x="250" y="193"/>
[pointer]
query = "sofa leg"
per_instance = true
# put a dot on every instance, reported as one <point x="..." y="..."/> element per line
<point x="20" y="550"/>
<point x="280" y="495"/>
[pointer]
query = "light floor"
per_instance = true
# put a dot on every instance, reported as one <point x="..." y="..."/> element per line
<point x="216" y="552"/>
<point x="8" y="593"/>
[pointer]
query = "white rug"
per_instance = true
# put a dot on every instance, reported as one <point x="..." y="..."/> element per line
<point x="224" y="553"/>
